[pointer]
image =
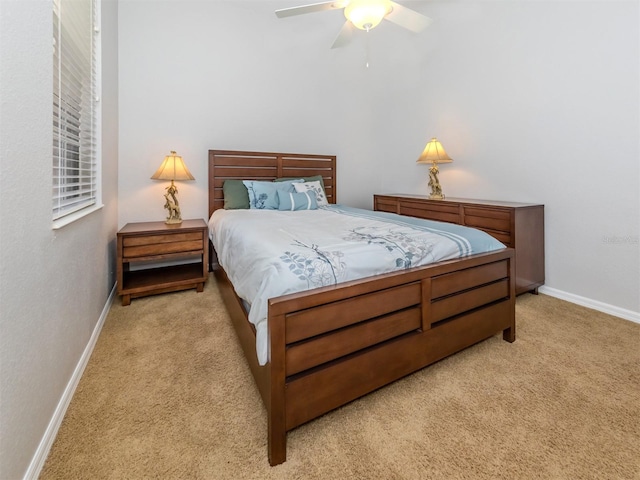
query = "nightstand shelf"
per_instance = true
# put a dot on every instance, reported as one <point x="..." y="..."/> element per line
<point x="174" y="275"/>
<point x="142" y="243"/>
<point x="517" y="225"/>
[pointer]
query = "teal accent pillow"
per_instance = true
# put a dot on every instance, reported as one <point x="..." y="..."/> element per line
<point x="297" y="201"/>
<point x="262" y="195"/>
<point x="235" y="195"/>
<point x="314" y="178"/>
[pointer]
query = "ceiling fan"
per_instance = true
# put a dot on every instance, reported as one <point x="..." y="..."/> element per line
<point x="363" y="14"/>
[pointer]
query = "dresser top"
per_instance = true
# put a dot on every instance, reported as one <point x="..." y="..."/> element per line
<point x="456" y="200"/>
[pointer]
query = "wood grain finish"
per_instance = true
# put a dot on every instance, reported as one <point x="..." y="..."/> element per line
<point x="517" y="225"/>
<point x="331" y="345"/>
<point x="155" y="242"/>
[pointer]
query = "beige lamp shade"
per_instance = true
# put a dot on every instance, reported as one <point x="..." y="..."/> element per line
<point x="366" y="14"/>
<point x="434" y="153"/>
<point x="173" y="168"/>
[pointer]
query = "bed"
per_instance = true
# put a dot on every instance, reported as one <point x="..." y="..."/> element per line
<point x="331" y="345"/>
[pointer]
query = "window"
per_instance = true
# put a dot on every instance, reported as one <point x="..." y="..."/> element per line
<point x="75" y="108"/>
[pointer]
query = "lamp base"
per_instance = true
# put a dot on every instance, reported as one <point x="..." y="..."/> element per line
<point x="171" y="205"/>
<point x="436" y="189"/>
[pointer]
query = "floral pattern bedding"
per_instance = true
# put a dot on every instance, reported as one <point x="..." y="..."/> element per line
<point x="268" y="253"/>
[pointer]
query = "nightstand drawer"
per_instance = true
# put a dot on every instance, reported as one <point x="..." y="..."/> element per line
<point x="145" y="246"/>
<point x="492" y="219"/>
<point x="165" y="238"/>
<point x="162" y="249"/>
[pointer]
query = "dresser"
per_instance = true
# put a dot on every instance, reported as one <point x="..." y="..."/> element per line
<point x="517" y="225"/>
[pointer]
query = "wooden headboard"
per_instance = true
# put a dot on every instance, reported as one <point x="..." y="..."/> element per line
<point x="230" y="164"/>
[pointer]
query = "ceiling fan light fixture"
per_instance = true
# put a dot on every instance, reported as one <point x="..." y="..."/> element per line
<point x="367" y="14"/>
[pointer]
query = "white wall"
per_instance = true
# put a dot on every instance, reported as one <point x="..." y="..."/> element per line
<point x="196" y="76"/>
<point x="539" y="102"/>
<point x="536" y="101"/>
<point x="53" y="284"/>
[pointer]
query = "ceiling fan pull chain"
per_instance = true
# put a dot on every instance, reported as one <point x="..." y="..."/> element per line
<point x="366" y="49"/>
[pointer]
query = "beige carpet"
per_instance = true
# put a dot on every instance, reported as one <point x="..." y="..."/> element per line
<point x="167" y="394"/>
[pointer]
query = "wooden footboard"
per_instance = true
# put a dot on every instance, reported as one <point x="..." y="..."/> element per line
<point x="331" y="345"/>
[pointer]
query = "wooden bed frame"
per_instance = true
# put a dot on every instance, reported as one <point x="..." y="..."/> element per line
<point x="334" y="344"/>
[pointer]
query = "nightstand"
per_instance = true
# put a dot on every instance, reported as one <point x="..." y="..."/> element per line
<point x="183" y="248"/>
<point x="517" y="225"/>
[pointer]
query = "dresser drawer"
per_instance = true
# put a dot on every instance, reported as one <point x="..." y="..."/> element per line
<point x="386" y="205"/>
<point x="503" y="237"/>
<point x="431" y="211"/>
<point x="493" y="219"/>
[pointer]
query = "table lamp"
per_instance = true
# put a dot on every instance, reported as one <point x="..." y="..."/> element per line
<point x="434" y="154"/>
<point x="172" y="168"/>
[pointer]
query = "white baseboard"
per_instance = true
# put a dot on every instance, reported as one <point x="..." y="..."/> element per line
<point x="594" y="304"/>
<point x="37" y="462"/>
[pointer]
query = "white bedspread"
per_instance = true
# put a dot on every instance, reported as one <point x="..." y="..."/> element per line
<point x="268" y="253"/>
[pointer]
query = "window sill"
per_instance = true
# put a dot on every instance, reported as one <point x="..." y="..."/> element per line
<point x="72" y="217"/>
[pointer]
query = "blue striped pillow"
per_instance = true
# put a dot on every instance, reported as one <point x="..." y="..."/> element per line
<point x="297" y="201"/>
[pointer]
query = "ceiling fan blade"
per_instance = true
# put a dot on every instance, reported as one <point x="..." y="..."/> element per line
<point x="311" y="8"/>
<point x="344" y="37"/>
<point x="407" y="18"/>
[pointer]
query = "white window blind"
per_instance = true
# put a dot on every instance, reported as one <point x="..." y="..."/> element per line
<point x="75" y="96"/>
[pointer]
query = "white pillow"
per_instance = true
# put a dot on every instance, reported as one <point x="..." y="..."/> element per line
<point x="314" y="187"/>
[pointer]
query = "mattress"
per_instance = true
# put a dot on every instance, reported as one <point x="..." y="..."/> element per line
<point x="268" y="253"/>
